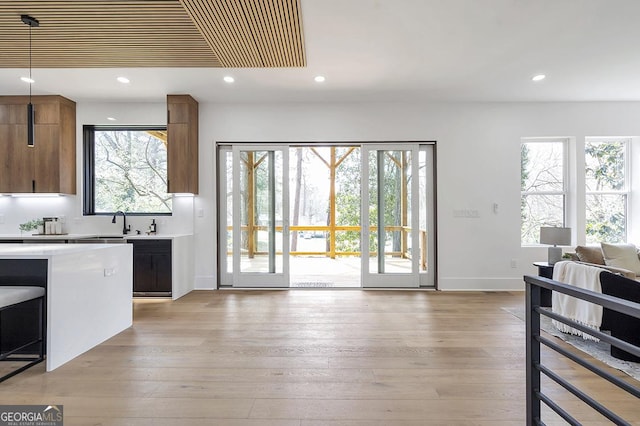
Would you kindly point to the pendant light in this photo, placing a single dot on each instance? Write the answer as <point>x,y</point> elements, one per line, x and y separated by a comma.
<point>31,22</point>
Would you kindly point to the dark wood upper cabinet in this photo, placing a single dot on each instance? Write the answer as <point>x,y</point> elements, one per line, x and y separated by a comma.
<point>182,144</point>
<point>48,167</point>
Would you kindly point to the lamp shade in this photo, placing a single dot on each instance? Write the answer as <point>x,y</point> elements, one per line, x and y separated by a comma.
<point>555,236</point>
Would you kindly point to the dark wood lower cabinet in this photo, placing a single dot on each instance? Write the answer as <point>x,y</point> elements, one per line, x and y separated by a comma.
<point>152,267</point>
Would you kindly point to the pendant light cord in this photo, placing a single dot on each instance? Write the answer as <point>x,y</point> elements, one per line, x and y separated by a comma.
<point>31,22</point>
<point>30,79</point>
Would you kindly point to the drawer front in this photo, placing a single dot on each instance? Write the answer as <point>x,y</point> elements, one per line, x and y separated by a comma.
<point>151,246</point>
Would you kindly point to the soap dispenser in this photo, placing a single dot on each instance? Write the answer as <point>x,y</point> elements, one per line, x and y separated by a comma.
<point>152,227</point>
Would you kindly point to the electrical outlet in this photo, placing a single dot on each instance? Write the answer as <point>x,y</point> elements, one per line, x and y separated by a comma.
<point>514,263</point>
<point>63,219</point>
<point>109,271</point>
<point>1,218</point>
<point>200,212</point>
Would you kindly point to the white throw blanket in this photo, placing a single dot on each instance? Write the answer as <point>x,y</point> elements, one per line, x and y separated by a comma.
<point>585,313</point>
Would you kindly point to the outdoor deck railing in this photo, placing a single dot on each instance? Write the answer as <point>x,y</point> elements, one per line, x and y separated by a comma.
<point>535,393</point>
<point>327,231</point>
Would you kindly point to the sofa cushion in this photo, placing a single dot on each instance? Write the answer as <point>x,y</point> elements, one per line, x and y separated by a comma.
<point>621,256</point>
<point>590,254</point>
<point>571,256</point>
<point>11,295</point>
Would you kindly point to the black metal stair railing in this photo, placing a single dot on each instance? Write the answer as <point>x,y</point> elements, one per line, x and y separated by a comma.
<point>535,395</point>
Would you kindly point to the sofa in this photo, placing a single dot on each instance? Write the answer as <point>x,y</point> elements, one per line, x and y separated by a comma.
<point>620,259</point>
<point>622,281</point>
<point>622,326</point>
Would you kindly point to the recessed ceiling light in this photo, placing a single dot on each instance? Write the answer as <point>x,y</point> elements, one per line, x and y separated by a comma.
<point>229,79</point>
<point>319,78</point>
<point>123,80</point>
<point>538,77</point>
<point>27,80</point>
<point>111,119</point>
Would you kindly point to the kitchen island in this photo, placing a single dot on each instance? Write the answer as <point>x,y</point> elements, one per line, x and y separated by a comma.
<point>176,270</point>
<point>88,291</point>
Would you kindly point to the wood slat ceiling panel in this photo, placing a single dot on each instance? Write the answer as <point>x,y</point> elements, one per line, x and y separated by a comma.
<point>251,33</point>
<point>152,33</point>
<point>87,34</point>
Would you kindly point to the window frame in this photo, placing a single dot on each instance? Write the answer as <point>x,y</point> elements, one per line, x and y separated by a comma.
<point>88,193</point>
<point>626,192</point>
<point>565,193</point>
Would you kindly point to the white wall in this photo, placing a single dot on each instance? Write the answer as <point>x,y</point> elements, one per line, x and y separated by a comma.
<point>478,164</point>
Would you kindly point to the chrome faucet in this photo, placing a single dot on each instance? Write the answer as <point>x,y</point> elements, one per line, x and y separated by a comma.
<point>125,230</point>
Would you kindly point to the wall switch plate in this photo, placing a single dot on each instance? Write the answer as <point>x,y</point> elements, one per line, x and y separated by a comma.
<point>514,263</point>
<point>1,218</point>
<point>109,271</point>
<point>201,212</point>
<point>471,213</point>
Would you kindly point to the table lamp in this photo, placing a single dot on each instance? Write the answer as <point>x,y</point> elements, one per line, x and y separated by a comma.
<point>555,236</point>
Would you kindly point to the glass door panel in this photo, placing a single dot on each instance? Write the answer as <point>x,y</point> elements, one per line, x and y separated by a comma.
<point>260,217</point>
<point>225,217</point>
<point>390,199</point>
<point>426,194</point>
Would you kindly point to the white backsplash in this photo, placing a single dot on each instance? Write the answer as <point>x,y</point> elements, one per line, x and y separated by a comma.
<point>17,210</point>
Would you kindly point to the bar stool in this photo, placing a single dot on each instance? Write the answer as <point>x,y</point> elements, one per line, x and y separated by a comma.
<point>22,325</point>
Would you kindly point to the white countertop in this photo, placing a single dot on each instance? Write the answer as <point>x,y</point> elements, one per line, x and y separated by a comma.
<point>156,236</point>
<point>64,237</point>
<point>30,236</point>
<point>47,250</point>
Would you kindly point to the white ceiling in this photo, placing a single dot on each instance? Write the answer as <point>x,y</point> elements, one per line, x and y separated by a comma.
<point>407,50</point>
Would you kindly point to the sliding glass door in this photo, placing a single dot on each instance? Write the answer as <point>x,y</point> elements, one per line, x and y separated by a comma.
<point>260,218</point>
<point>361,215</point>
<point>390,205</point>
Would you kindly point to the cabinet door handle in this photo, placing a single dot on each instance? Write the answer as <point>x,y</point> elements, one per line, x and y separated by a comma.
<point>33,186</point>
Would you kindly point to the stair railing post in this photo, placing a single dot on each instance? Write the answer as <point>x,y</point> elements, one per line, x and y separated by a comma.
<point>533,299</point>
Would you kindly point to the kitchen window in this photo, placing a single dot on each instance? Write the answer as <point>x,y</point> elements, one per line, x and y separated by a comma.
<point>125,169</point>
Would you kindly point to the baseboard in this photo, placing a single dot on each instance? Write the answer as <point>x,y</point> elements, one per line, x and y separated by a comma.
<point>205,282</point>
<point>480,284</point>
<point>208,282</point>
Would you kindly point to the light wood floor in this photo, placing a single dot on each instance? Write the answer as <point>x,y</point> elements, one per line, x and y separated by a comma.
<point>311,358</point>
